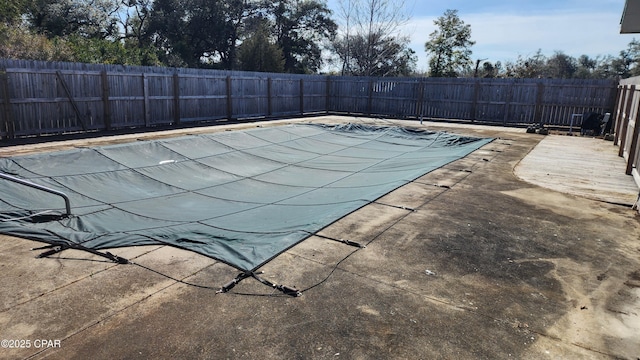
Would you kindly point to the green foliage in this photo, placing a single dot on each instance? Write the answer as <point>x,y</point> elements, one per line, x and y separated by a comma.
<point>301,26</point>
<point>449,46</point>
<point>19,43</point>
<point>628,62</point>
<point>485,69</point>
<point>10,11</point>
<point>563,66</point>
<point>60,18</point>
<point>531,67</point>
<point>102,51</point>
<point>280,35</point>
<point>192,32</point>
<point>206,33</point>
<point>259,53</point>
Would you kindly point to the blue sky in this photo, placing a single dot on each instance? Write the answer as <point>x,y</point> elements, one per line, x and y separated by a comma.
<point>504,30</point>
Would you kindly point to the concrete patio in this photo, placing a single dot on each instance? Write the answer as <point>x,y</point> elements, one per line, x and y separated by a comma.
<point>513,252</point>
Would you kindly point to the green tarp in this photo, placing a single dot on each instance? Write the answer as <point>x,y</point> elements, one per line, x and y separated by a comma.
<point>241,197</point>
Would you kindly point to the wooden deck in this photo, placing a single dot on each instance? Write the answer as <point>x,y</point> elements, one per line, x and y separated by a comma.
<point>580,166</point>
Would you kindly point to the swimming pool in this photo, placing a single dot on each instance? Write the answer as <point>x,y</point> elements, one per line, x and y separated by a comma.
<point>241,197</point>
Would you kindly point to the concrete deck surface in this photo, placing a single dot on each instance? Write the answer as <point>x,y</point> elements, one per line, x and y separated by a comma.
<point>489,266</point>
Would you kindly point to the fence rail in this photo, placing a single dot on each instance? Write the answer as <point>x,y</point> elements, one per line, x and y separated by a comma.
<point>39,98</point>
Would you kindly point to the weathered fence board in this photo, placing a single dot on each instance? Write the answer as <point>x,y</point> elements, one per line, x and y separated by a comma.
<point>285,97</point>
<point>201,98</point>
<point>39,98</point>
<point>315,95</point>
<point>627,125</point>
<point>6,126</point>
<point>349,95</point>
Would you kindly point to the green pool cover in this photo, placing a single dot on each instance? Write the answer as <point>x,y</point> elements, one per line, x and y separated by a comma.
<point>241,197</point>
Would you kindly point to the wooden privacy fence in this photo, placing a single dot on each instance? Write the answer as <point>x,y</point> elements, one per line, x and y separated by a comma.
<point>38,98</point>
<point>505,102</point>
<point>627,124</point>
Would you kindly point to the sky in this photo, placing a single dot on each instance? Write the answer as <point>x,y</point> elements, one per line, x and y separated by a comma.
<point>504,30</point>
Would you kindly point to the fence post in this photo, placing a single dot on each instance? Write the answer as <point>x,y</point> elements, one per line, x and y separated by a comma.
<point>625,120</point>
<point>106,106</point>
<point>507,105</point>
<point>618,107</point>
<point>619,111</point>
<point>8,123</point>
<point>229,99</point>
<point>145,94</point>
<point>624,104</point>
<point>269,96</point>
<point>176,98</point>
<point>539,96</point>
<point>370,99</point>
<point>301,96</point>
<point>419,105</point>
<point>614,97</point>
<point>327,99</point>
<point>474,104</point>
<point>634,143</point>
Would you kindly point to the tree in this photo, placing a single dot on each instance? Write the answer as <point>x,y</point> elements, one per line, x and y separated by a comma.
<point>60,18</point>
<point>377,55</point>
<point>449,46</point>
<point>17,42</point>
<point>371,43</point>
<point>241,15</point>
<point>489,70</point>
<point>103,51</point>
<point>561,66</point>
<point>208,32</point>
<point>610,67</point>
<point>300,28</point>
<point>628,61</point>
<point>585,67</point>
<point>192,32</point>
<point>530,67</point>
<point>133,18</point>
<point>260,53</point>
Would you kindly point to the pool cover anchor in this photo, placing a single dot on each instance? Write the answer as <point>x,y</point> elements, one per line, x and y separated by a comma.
<point>231,284</point>
<point>57,248</point>
<point>344,241</point>
<point>287,290</point>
